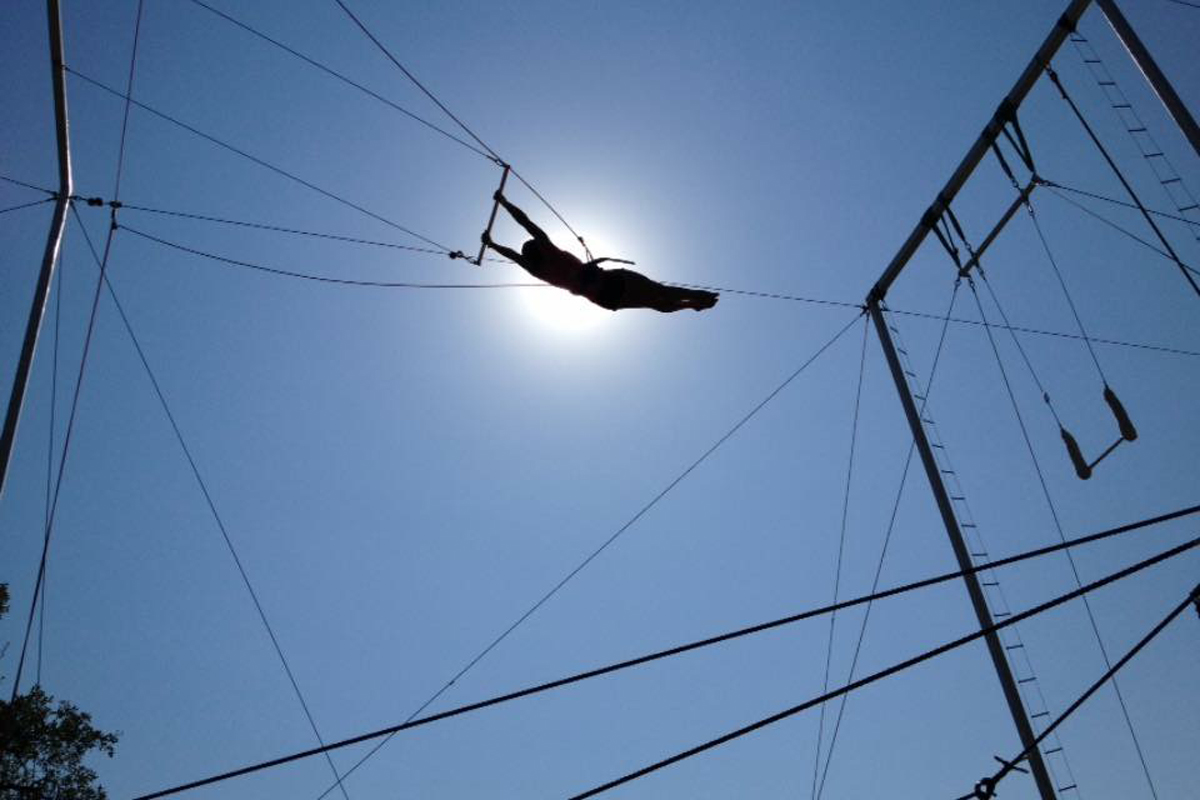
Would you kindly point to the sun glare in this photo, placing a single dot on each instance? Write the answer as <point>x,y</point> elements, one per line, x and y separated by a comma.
<point>561,310</point>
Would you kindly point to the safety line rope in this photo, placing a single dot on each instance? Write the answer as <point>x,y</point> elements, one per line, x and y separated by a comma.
<point>50,440</point>
<point>615,535</point>
<point>694,645</point>
<point>903,665</point>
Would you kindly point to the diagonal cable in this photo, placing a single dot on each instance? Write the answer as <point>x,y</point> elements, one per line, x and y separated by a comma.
<point>887,538</point>
<point>262,615</point>
<point>837,573</point>
<point>704,643</point>
<point>238,151</point>
<point>344,79</point>
<point>1058,527</point>
<point>388,53</point>
<point>892,670</point>
<point>607,542</point>
<point>87,343</point>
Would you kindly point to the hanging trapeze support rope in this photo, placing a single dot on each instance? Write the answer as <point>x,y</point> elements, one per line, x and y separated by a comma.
<point>1127,432</point>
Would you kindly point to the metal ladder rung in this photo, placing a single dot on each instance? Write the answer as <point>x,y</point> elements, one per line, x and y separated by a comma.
<point>1159,154</point>
<point>989,583</point>
<point>1052,751</point>
<point>1030,679</point>
<point>1192,207</point>
<point>1136,130</point>
<point>1066,788</point>
<point>1122,105</point>
<point>1107,83</point>
<point>1039,714</point>
<point>1171,180</point>
<point>1016,646</point>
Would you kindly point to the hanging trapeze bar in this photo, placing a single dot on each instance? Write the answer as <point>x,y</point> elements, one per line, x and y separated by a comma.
<point>1128,433</point>
<point>478,260</point>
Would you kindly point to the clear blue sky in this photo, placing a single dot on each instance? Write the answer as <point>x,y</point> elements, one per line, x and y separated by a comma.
<point>405,472</point>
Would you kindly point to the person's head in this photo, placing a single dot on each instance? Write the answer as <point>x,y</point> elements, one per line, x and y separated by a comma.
<point>533,249</point>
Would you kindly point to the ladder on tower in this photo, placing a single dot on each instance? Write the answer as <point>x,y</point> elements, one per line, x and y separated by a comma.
<point>1015,651</point>
<point>1164,171</point>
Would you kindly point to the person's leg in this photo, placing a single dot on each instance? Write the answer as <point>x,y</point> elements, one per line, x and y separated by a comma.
<point>642,292</point>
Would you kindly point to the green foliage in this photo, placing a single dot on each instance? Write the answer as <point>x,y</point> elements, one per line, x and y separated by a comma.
<point>43,744</point>
<point>42,749</point>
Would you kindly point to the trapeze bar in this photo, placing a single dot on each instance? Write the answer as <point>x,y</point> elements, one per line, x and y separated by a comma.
<point>478,260</point>
<point>1128,433</point>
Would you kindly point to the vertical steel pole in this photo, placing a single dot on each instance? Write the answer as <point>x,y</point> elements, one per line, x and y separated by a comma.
<point>1157,80</point>
<point>1008,683</point>
<point>53,243</point>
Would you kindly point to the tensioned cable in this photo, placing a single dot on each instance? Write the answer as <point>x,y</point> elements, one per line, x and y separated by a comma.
<point>724,290</point>
<point>344,79</point>
<point>903,665</point>
<point>211,505</point>
<point>1049,184</point>
<point>695,645</point>
<point>322,278</point>
<point>116,198</point>
<point>87,343</point>
<point>1020,348</point>
<point>256,160</point>
<point>1121,177</point>
<point>30,204</point>
<point>1185,3</point>
<point>460,123</point>
<point>41,600</point>
<point>611,539</point>
<point>987,788</point>
<point>887,538</point>
<point>1059,334</point>
<point>1037,226</point>
<point>837,572</point>
<point>1012,397</point>
<point>1122,230</point>
<point>16,182</point>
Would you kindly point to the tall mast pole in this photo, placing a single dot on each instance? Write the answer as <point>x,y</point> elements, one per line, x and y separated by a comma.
<point>1008,682</point>
<point>53,243</point>
<point>1029,76</point>
<point>1157,80</point>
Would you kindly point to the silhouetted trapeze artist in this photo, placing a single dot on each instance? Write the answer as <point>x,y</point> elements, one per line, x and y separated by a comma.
<point>613,289</point>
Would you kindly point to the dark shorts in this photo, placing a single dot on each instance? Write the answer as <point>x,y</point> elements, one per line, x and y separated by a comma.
<point>605,288</point>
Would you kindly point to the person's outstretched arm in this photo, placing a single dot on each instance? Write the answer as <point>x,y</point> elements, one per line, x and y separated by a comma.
<point>523,219</point>
<point>510,254</point>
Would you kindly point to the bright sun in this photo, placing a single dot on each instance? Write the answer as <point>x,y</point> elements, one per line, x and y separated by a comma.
<point>559,309</point>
